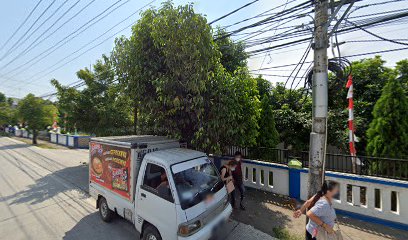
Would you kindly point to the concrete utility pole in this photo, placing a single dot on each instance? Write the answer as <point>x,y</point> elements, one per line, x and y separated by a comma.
<point>317,152</point>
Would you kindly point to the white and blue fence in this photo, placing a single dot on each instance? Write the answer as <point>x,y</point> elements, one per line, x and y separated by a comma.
<point>372,199</point>
<point>23,133</point>
<point>73,141</point>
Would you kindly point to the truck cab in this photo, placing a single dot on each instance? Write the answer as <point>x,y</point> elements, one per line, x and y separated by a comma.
<point>177,194</point>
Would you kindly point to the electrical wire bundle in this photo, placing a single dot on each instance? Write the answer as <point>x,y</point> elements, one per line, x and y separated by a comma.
<point>339,66</point>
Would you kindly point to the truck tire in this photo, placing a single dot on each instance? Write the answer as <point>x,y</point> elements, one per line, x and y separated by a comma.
<point>104,211</point>
<point>151,233</point>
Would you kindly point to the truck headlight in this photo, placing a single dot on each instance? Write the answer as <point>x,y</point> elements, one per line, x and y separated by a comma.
<point>188,229</point>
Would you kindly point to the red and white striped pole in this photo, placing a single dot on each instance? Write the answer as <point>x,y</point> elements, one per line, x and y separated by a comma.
<point>353,151</point>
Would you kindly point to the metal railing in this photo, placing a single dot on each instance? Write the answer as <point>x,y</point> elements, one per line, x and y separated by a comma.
<point>370,166</point>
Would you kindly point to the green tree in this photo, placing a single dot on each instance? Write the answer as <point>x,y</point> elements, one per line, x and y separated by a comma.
<point>100,107</point>
<point>3,98</point>
<point>5,111</point>
<point>402,72</point>
<point>10,101</point>
<point>165,66</point>
<point>388,132</point>
<point>268,135</point>
<point>292,113</point>
<point>233,55</point>
<point>264,88</point>
<point>185,42</point>
<point>36,113</point>
<point>369,77</point>
<point>8,115</point>
<point>231,112</point>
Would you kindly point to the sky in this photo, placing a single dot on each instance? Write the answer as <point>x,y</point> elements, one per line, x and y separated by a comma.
<point>25,69</point>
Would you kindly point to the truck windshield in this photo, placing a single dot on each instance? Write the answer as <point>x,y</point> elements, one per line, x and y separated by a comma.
<point>195,180</point>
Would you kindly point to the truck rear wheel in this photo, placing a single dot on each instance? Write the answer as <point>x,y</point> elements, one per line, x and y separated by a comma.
<point>151,233</point>
<point>104,211</point>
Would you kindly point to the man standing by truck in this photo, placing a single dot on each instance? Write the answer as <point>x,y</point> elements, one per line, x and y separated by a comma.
<point>238,181</point>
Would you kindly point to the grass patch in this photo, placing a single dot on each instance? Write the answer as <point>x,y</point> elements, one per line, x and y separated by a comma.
<point>284,234</point>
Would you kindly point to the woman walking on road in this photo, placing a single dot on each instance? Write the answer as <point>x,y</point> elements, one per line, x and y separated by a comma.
<point>226,177</point>
<point>238,181</point>
<point>321,215</point>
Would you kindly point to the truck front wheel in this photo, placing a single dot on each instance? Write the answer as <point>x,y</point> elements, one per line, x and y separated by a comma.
<point>104,211</point>
<point>151,233</point>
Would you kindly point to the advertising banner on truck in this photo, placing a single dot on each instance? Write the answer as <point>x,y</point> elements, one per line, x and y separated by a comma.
<point>110,168</point>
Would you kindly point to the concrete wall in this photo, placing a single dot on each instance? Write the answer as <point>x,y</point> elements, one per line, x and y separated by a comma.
<point>18,133</point>
<point>354,189</point>
<point>25,133</point>
<point>53,137</point>
<point>83,141</point>
<point>73,141</point>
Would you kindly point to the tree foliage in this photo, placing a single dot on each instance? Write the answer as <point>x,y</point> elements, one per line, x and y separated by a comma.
<point>175,74</point>
<point>3,98</point>
<point>233,55</point>
<point>388,132</point>
<point>8,114</point>
<point>268,135</point>
<point>36,113</point>
<point>100,108</point>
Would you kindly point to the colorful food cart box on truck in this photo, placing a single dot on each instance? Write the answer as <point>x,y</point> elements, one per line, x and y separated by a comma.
<point>166,191</point>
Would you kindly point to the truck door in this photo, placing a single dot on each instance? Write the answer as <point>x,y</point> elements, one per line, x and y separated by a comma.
<point>155,202</point>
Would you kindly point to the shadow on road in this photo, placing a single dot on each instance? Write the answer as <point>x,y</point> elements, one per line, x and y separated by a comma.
<point>48,186</point>
<point>258,214</point>
<point>92,227</point>
<point>14,146</point>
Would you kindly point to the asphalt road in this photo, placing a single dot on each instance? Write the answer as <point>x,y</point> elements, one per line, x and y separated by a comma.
<point>43,195</point>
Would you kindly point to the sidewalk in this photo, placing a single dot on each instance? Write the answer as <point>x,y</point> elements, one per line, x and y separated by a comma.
<point>272,214</point>
<point>40,143</point>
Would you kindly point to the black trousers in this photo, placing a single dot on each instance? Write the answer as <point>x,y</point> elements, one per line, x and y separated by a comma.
<point>241,189</point>
<point>309,236</point>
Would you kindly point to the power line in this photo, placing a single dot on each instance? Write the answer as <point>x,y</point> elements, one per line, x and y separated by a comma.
<point>376,52</point>
<point>263,60</point>
<point>90,42</point>
<point>301,62</point>
<point>27,49</point>
<point>21,25</point>
<point>69,36</point>
<point>257,16</point>
<point>348,56</point>
<point>67,21</point>
<point>377,36</point>
<point>374,40</point>
<point>29,29</point>
<point>266,20</point>
<point>373,22</point>
<point>230,13</point>
<point>35,30</point>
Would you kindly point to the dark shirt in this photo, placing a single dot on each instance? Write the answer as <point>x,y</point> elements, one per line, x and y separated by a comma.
<point>227,174</point>
<point>237,174</point>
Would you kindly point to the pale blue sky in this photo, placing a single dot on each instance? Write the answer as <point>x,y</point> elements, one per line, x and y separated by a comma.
<point>12,14</point>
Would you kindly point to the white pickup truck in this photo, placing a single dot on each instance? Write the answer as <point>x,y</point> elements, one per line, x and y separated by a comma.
<point>166,191</point>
